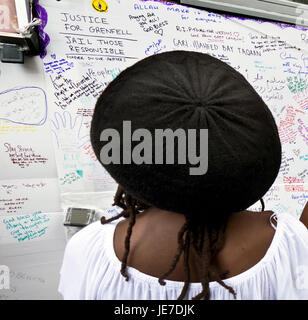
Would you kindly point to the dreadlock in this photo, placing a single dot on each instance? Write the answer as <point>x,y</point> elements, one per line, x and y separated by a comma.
<point>205,239</point>
<point>130,207</point>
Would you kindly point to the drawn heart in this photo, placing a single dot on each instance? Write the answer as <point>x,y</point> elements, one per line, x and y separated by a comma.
<point>159,31</point>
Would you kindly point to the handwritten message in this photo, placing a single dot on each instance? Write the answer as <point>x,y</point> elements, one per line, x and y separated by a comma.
<point>268,43</point>
<point>58,66</point>
<point>150,22</point>
<point>71,177</point>
<point>294,65</point>
<point>287,131</point>
<point>19,196</point>
<point>90,37</point>
<point>7,127</point>
<point>26,105</point>
<point>23,156</point>
<point>68,90</point>
<point>27,227</point>
<point>296,84</point>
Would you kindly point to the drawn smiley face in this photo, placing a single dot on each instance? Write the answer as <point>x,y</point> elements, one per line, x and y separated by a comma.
<point>100,5</point>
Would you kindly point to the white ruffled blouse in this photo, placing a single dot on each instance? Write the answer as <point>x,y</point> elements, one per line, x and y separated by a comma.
<point>91,270</point>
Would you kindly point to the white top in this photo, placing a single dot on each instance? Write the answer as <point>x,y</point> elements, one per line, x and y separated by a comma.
<point>91,270</point>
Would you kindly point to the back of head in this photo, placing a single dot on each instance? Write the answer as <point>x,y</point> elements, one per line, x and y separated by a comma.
<point>190,91</point>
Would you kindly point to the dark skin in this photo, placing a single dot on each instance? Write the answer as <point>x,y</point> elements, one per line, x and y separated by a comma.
<point>153,243</point>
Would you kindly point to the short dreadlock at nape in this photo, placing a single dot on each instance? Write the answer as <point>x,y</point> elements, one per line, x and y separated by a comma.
<point>130,207</point>
<point>205,239</point>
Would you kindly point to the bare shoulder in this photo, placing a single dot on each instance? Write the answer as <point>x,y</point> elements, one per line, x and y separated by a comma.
<point>248,237</point>
<point>304,216</point>
<point>245,221</point>
<point>249,229</point>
